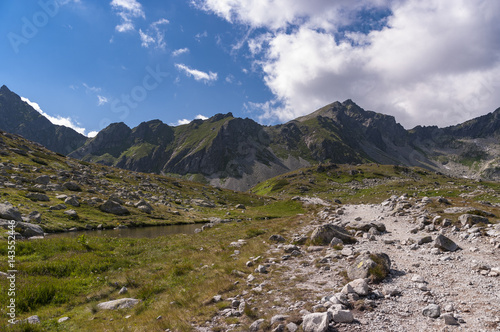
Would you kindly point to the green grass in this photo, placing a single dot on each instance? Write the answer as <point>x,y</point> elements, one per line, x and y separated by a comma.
<point>174,276</point>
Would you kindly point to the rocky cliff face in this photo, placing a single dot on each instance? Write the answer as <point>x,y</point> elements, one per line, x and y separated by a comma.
<point>18,117</point>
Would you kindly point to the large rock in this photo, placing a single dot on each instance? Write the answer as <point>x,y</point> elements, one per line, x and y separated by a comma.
<point>38,197</point>
<point>342,316</point>
<point>432,311</point>
<point>73,201</point>
<point>72,186</point>
<point>365,226</point>
<point>472,219</point>
<point>360,287</point>
<point>325,233</point>
<point>113,207</point>
<point>25,229</point>
<point>374,266</point>
<point>317,322</point>
<point>444,243</point>
<point>43,179</point>
<point>118,304</point>
<point>9,212</point>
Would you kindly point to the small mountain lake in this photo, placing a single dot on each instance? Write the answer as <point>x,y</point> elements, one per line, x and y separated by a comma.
<point>139,232</point>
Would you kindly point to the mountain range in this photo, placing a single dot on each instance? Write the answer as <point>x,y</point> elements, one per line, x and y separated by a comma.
<point>237,153</point>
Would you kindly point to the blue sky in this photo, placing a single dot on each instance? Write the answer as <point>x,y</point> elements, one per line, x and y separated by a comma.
<point>87,63</point>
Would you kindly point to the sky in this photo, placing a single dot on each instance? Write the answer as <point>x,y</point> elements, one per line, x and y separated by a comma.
<point>88,63</point>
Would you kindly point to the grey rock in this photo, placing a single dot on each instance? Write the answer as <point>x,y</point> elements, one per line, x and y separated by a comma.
<point>33,320</point>
<point>325,233</point>
<point>360,287</point>
<point>261,269</point>
<point>73,201</point>
<point>256,325</point>
<point>432,311</point>
<point>35,216</point>
<point>342,316</point>
<point>71,213</point>
<point>26,229</point>
<point>240,206</point>
<point>336,242</point>
<point>292,327</point>
<point>118,304</point>
<point>278,318</point>
<point>38,197</point>
<point>449,319</point>
<point>72,186</point>
<point>58,207</point>
<point>290,248</point>
<point>62,319</point>
<point>472,219</point>
<point>114,208</point>
<point>444,243</point>
<point>9,212</point>
<point>374,266</point>
<point>277,238</point>
<point>425,239</point>
<point>316,322</point>
<point>43,179</point>
<point>123,290</point>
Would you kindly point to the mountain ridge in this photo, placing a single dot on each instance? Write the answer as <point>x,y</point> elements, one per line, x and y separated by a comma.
<point>238,153</point>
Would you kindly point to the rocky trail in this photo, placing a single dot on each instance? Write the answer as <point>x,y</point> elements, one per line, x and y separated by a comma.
<point>441,277</point>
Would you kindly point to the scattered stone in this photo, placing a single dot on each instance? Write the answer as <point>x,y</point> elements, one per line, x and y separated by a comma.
<point>33,320</point>
<point>325,233</point>
<point>425,239</point>
<point>240,206</point>
<point>444,243</point>
<point>58,207</point>
<point>342,316</point>
<point>374,266</point>
<point>277,238</point>
<point>114,208</point>
<point>292,327</point>
<point>73,201</point>
<point>432,311</point>
<point>278,318</point>
<point>43,180</point>
<point>72,186</point>
<point>38,197</point>
<point>360,287</point>
<point>316,322</point>
<point>62,319</point>
<point>71,213</point>
<point>418,278</point>
<point>9,212</point>
<point>123,290</point>
<point>261,269</point>
<point>449,319</point>
<point>25,229</point>
<point>472,219</point>
<point>118,304</point>
<point>256,325</point>
<point>336,242</point>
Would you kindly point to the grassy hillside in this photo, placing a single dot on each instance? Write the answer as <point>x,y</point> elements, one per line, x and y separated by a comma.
<point>372,183</point>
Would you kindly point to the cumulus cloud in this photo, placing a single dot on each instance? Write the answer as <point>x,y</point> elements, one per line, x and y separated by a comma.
<point>198,75</point>
<point>424,61</point>
<point>127,10</point>
<point>186,121</point>
<point>57,120</point>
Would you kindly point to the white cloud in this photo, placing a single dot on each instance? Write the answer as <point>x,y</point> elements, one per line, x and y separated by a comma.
<point>197,74</point>
<point>57,120</point>
<point>92,134</point>
<point>180,51</point>
<point>91,89</point>
<point>127,10</point>
<point>428,61</point>
<point>101,100</point>
<point>199,36</point>
<point>154,36</point>
<point>186,121</point>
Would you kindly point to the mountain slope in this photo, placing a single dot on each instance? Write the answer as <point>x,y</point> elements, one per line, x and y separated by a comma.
<point>18,117</point>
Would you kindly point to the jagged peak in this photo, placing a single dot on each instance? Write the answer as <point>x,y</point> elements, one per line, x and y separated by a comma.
<point>4,88</point>
<point>220,116</point>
